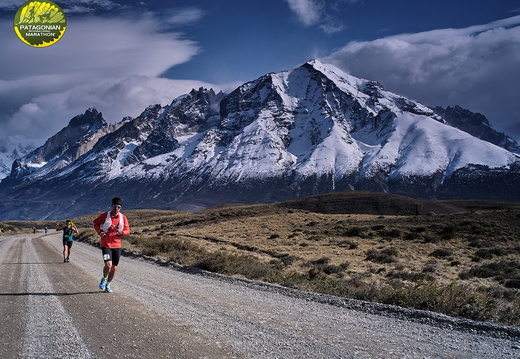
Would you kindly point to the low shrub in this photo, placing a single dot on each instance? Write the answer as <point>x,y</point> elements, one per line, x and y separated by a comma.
<point>512,283</point>
<point>230,264</point>
<point>450,299</point>
<point>410,276</point>
<point>322,265</point>
<point>441,253</point>
<point>390,233</point>
<point>387,255</point>
<point>498,270</point>
<point>6,228</point>
<point>378,227</point>
<point>484,254</point>
<point>354,232</point>
<point>410,236</point>
<point>344,243</point>
<point>448,231</point>
<point>320,261</point>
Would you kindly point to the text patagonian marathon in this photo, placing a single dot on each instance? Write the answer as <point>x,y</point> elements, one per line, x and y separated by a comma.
<point>40,27</point>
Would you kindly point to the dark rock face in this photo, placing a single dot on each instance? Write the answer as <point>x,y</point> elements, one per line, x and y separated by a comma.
<point>476,125</point>
<point>66,146</point>
<point>308,131</point>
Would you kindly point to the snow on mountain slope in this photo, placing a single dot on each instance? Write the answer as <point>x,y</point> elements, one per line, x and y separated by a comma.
<point>313,129</point>
<point>62,149</point>
<point>477,125</point>
<point>10,150</point>
<point>422,146</point>
<point>314,120</point>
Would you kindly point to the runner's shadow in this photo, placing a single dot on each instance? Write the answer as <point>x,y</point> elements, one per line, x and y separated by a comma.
<point>47,294</point>
<point>29,263</point>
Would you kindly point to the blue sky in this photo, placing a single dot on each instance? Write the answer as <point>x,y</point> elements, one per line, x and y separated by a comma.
<point>121,56</point>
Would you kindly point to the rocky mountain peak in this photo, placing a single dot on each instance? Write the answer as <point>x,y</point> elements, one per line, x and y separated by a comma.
<point>310,130</point>
<point>477,125</point>
<point>77,138</point>
<point>91,118</point>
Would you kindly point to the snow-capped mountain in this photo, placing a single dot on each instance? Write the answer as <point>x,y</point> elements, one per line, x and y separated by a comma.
<point>310,130</point>
<point>63,148</point>
<point>10,150</point>
<point>477,125</point>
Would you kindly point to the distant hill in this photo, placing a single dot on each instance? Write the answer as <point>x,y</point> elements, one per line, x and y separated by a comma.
<point>362,202</point>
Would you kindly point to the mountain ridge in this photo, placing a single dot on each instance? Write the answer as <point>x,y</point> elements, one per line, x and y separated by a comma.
<point>477,125</point>
<point>286,135</point>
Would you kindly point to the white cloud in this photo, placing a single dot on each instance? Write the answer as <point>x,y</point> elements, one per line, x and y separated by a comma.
<point>46,114</point>
<point>112,47</point>
<point>86,6</point>
<point>111,64</point>
<point>475,67</point>
<point>332,26</point>
<point>307,11</point>
<point>183,16</point>
<point>318,13</point>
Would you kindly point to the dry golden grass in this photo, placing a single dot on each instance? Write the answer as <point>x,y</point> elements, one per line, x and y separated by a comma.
<point>443,246</point>
<point>467,254</point>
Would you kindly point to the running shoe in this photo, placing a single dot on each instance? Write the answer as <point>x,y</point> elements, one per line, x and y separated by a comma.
<point>103,283</point>
<point>107,288</point>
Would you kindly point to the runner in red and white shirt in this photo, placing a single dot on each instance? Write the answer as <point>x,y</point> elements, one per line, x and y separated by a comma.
<point>111,226</point>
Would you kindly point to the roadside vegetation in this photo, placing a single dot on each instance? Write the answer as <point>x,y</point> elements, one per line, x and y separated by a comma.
<point>462,260</point>
<point>9,229</point>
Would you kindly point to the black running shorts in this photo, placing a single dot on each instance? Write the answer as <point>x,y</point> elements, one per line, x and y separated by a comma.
<point>67,243</point>
<point>111,255</point>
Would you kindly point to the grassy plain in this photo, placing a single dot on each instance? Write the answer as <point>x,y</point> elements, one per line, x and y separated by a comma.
<point>460,258</point>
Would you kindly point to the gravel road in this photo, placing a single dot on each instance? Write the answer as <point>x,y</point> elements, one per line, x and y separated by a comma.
<point>51,309</point>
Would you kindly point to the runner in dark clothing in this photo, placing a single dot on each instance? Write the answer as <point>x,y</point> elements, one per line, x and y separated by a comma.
<point>68,238</point>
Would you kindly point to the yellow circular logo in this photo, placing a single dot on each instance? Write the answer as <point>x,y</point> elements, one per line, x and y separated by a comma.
<point>40,23</point>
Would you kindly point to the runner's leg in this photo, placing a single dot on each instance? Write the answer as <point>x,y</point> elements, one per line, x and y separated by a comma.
<point>111,273</point>
<point>107,268</point>
<point>107,258</point>
<point>116,254</point>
